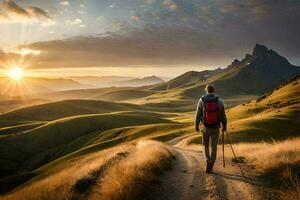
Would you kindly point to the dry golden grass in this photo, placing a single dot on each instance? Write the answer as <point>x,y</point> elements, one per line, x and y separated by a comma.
<point>58,185</point>
<point>291,189</point>
<point>128,178</point>
<point>279,160</point>
<point>116,173</point>
<point>268,157</point>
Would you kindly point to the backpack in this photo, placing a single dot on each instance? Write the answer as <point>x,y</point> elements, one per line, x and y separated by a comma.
<point>211,112</point>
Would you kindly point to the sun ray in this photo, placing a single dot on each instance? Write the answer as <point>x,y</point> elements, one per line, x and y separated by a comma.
<point>16,73</point>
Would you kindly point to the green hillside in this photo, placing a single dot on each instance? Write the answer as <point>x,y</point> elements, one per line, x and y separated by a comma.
<point>30,149</point>
<point>66,108</point>
<point>274,115</point>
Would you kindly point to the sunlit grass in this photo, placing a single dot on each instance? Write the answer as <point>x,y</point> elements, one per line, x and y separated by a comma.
<point>117,173</point>
<point>273,156</point>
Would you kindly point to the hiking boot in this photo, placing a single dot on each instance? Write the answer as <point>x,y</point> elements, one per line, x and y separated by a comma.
<point>208,168</point>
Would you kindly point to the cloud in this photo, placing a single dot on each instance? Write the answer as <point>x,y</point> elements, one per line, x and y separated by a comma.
<point>147,46</point>
<point>169,4</point>
<point>112,5</point>
<point>65,3</point>
<point>38,12</point>
<point>13,13</point>
<point>75,22</point>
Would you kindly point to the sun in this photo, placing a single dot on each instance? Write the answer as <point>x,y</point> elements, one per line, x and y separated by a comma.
<point>16,73</point>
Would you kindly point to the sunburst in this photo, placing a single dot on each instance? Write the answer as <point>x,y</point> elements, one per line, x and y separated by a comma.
<point>16,73</point>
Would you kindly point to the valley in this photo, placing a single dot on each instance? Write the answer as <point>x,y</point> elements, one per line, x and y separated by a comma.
<point>140,143</point>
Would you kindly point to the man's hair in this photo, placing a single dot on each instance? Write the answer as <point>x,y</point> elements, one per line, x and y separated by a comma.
<point>210,89</point>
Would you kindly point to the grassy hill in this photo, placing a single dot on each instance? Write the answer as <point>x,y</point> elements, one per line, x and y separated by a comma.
<point>272,116</point>
<point>53,140</point>
<point>35,147</point>
<point>36,150</point>
<point>66,108</point>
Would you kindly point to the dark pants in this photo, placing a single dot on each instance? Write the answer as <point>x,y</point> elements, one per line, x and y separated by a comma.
<point>210,135</point>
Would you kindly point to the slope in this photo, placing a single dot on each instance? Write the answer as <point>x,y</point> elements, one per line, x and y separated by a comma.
<point>273,115</point>
<point>33,148</point>
<point>66,108</point>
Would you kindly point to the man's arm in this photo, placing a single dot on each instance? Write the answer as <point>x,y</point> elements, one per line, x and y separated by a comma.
<point>198,115</point>
<point>223,117</point>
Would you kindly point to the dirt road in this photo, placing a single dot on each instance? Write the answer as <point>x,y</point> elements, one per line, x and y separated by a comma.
<point>188,181</point>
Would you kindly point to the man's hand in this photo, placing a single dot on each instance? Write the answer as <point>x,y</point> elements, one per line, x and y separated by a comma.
<point>197,128</point>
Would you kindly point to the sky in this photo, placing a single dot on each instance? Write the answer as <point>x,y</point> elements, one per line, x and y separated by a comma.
<point>143,37</point>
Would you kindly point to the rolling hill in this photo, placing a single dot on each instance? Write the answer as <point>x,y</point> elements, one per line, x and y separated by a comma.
<point>47,140</point>
<point>36,150</point>
<point>138,82</point>
<point>33,148</point>
<point>32,85</point>
<point>274,115</point>
<point>242,80</point>
<point>100,81</point>
<point>59,84</point>
<point>66,108</point>
<point>116,81</point>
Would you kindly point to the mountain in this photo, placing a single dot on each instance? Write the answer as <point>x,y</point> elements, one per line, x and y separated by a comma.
<point>32,85</point>
<point>26,86</point>
<point>59,84</point>
<point>242,80</point>
<point>149,80</point>
<point>117,81</point>
<point>100,81</point>
<point>187,79</point>
<point>255,74</point>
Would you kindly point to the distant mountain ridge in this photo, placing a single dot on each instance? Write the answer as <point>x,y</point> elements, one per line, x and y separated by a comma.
<point>255,74</point>
<point>242,80</point>
<point>137,82</point>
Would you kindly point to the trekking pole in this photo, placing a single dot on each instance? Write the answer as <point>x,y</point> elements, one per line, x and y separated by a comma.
<point>235,155</point>
<point>223,149</point>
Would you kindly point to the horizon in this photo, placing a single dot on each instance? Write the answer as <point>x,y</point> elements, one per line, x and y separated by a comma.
<point>139,38</point>
<point>149,99</point>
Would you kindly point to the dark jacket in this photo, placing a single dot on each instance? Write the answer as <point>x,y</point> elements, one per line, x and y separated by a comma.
<point>199,112</point>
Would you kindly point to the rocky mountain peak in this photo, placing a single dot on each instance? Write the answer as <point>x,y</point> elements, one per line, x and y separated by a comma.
<point>260,50</point>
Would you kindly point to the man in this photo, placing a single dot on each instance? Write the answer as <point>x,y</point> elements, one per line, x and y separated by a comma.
<point>210,113</point>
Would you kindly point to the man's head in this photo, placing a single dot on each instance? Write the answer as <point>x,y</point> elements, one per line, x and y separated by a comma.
<point>209,89</point>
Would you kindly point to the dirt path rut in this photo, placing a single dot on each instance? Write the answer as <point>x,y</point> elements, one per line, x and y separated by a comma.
<point>188,181</point>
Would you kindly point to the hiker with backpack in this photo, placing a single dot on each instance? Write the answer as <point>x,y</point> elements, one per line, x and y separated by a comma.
<point>210,113</point>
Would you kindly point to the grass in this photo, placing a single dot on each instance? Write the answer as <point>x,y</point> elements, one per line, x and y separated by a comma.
<point>19,128</point>
<point>139,163</point>
<point>34,148</point>
<point>291,189</point>
<point>276,156</point>
<point>79,154</point>
<point>275,115</point>
<point>66,108</point>
<point>138,170</point>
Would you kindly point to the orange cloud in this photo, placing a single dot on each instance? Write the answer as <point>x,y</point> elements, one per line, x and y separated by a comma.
<point>13,13</point>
